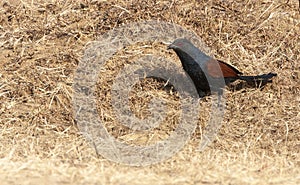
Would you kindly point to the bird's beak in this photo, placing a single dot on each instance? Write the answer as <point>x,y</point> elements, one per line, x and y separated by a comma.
<point>170,46</point>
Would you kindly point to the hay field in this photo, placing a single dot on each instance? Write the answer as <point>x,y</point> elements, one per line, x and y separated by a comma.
<point>42,42</point>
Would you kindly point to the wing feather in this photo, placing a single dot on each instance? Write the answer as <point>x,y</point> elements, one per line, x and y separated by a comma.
<point>213,67</point>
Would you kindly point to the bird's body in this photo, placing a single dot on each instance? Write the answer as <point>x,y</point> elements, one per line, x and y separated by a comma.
<point>207,73</point>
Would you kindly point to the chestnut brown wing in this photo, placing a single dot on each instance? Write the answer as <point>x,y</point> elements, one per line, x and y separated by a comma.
<point>213,66</point>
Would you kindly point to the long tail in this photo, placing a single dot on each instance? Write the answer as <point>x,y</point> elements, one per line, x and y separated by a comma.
<point>264,78</point>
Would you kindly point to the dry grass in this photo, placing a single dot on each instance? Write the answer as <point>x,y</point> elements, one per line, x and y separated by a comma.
<point>42,42</point>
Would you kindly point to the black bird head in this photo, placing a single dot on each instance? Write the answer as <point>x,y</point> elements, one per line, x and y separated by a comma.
<point>180,43</point>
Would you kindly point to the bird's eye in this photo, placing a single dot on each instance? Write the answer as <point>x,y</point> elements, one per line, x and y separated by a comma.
<point>179,44</point>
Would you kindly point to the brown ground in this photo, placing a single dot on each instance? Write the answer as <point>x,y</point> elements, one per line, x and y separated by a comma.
<point>42,43</point>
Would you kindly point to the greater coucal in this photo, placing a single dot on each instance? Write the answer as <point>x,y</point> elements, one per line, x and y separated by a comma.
<point>203,69</point>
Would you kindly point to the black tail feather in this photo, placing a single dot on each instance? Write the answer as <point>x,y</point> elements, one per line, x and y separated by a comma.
<point>258,81</point>
<point>258,78</point>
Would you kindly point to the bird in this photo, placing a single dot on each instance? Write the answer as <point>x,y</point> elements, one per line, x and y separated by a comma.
<point>209,74</point>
